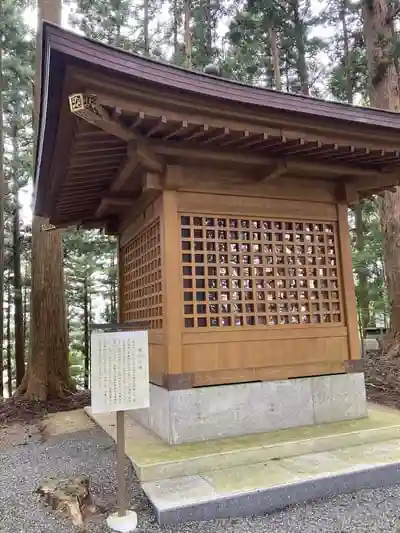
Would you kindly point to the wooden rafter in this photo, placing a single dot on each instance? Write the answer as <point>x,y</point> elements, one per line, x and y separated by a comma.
<point>365,178</point>
<point>86,107</point>
<point>134,103</point>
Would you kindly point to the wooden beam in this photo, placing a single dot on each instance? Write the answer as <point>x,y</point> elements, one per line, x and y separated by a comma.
<point>132,100</point>
<point>347,193</point>
<point>86,107</point>
<point>152,182</point>
<point>128,168</point>
<point>277,170</point>
<point>322,170</point>
<point>379,181</point>
<point>119,201</point>
<point>150,186</point>
<point>112,225</point>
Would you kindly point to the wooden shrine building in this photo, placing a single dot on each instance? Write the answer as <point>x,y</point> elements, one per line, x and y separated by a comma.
<point>230,204</point>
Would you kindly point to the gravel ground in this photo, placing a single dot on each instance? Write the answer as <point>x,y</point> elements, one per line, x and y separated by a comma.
<point>23,467</point>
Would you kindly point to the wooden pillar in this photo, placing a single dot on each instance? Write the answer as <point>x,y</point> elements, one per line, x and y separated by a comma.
<point>172,290</point>
<point>349,296</point>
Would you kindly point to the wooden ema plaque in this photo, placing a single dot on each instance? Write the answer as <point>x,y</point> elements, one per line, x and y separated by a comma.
<point>247,271</point>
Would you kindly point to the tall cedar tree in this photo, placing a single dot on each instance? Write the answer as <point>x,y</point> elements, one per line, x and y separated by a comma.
<point>18,309</point>
<point>2,201</point>
<point>380,39</point>
<point>47,374</point>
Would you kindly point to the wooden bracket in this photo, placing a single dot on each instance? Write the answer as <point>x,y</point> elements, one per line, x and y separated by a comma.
<point>347,193</point>
<point>86,107</point>
<point>150,187</point>
<point>277,170</point>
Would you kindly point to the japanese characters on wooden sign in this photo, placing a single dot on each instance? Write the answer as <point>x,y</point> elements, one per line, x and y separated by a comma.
<point>119,371</point>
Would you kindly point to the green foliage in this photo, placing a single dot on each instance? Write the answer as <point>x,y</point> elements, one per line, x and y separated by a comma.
<point>91,289</point>
<point>250,54</point>
<point>370,259</point>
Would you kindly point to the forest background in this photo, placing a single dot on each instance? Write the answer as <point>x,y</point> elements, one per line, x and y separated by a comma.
<point>317,48</point>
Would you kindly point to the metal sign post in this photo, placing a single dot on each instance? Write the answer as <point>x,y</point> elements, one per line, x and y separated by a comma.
<point>120,382</point>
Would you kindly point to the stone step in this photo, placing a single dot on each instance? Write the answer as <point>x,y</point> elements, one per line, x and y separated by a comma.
<point>268,486</point>
<point>155,460</point>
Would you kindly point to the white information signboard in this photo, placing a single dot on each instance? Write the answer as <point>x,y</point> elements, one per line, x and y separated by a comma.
<point>119,371</point>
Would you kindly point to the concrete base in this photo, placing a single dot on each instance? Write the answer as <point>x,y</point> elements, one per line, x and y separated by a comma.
<point>206,413</point>
<point>123,524</point>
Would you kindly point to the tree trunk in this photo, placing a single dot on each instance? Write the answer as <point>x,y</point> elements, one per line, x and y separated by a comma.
<point>86,329</point>
<point>276,63</point>
<point>2,202</point>
<point>208,33</point>
<point>362,271</point>
<point>299,36</point>
<point>175,28</point>
<point>19,350</point>
<point>346,52</point>
<point>9,349</point>
<point>47,374</point>
<point>384,93</point>
<point>146,28</point>
<point>25,303</point>
<point>187,37</point>
<point>114,289</point>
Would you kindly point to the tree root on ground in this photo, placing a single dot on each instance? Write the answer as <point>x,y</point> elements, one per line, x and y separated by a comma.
<point>382,373</point>
<point>18,409</point>
<point>71,497</point>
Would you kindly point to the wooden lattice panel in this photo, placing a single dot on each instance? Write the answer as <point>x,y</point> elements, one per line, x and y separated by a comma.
<point>257,272</point>
<point>141,271</point>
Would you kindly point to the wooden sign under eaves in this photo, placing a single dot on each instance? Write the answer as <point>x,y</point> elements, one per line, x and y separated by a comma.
<point>51,227</point>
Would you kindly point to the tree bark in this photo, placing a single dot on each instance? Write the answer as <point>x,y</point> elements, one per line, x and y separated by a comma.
<point>19,349</point>
<point>146,28</point>
<point>299,36</point>
<point>9,349</point>
<point>187,37</point>
<point>114,288</point>
<point>384,93</point>
<point>175,28</point>
<point>25,304</point>
<point>47,375</point>
<point>2,202</point>
<point>362,271</point>
<point>86,329</point>
<point>276,63</point>
<point>346,52</point>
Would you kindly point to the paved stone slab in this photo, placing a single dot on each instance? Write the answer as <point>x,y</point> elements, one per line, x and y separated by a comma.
<point>154,459</point>
<point>264,487</point>
<point>275,498</point>
<point>66,422</point>
<point>191,490</point>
